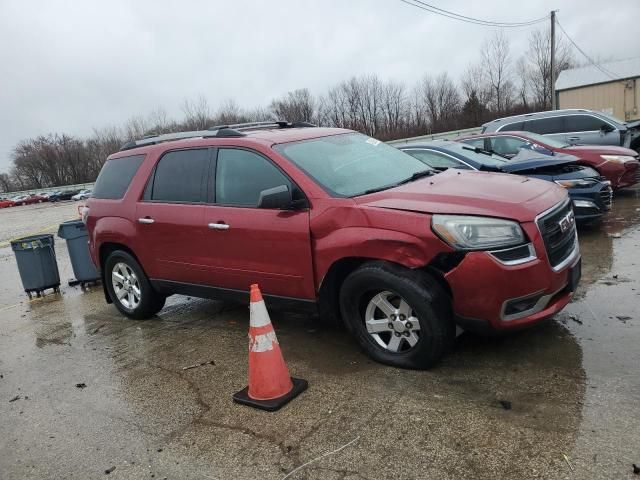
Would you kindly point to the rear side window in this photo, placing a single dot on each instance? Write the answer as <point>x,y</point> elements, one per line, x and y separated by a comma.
<point>512,127</point>
<point>583,123</point>
<point>545,126</point>
<point>115,177</point>
<point>241,176</point>
<point>179,177</point>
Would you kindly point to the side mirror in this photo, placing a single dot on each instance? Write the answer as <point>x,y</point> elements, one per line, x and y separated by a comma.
<point>277,197</point>
<point>606,128</point>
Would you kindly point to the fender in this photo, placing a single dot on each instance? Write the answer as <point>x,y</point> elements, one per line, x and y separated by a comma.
<point>111,230</point>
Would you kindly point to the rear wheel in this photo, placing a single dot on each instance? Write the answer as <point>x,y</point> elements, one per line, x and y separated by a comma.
<point>129,288</point>
<point>399,316</point>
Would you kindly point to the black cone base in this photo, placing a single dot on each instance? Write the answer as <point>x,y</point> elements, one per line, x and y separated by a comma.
<point>242,396</point>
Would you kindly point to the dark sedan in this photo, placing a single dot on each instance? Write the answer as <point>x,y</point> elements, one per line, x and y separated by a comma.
<point>591,194</point>
<point>63,195</point>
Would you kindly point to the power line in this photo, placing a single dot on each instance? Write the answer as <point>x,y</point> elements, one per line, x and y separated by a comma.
<point>608,73</point>
<point>476,21</point>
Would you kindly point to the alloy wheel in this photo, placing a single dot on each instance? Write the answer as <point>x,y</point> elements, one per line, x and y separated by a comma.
<point>392,322</point>
<point>126,286</point>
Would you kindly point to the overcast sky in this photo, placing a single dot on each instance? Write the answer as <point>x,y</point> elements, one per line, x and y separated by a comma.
<point>69,66</point>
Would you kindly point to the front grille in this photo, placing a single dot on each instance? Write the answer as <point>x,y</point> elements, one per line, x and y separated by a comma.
<point>638,174</point>
<point>606,194</point>
<point>558,244</point>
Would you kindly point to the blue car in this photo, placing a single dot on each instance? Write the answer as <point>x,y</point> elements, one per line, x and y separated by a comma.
<point>591,193</point>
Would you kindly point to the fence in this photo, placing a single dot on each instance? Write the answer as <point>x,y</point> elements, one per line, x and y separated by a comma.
<point>436,136</point>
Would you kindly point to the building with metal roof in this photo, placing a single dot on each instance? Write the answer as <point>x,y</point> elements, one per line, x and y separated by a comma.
<point>612,87</point>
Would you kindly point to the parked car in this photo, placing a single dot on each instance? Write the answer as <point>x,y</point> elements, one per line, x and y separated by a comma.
<point>574,127</point>
<point>330,220</point>
<point>6,202</point>
<point>28,199</point>
<point>82,195</point>
<point>619,165</point>
<point>63,195</point>
<point>591,194</point>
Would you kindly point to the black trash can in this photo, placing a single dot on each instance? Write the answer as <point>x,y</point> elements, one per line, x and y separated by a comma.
<point>36,258</point>
<point>76,235</point>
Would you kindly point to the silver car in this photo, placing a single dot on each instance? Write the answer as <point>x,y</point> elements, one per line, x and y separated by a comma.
<point>572,127</point>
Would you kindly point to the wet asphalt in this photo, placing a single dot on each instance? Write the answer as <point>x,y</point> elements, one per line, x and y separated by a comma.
<point>86,393</point>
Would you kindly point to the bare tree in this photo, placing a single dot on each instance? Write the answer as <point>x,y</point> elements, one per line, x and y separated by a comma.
<point>295,106</point>
<point>5,182</point>
<point>440,101</point>
<point>197,114</point>
<point>497,62</point>
<point>538,58</point>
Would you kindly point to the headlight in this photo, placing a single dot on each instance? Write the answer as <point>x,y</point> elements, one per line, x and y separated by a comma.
<point>476,233</point>
<point>617,158</point>
<point>579,183</point>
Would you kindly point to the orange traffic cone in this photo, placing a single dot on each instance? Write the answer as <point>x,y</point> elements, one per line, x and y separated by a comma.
<point>270,386</point>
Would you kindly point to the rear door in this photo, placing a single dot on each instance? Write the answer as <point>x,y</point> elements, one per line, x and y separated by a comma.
<point>553,127</point>
<point>587,130</point>
<point>254,245</point>
<point>170,217</point>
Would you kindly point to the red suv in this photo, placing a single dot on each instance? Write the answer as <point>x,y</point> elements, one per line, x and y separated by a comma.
<point>337,222</point>
<point>619,165</point>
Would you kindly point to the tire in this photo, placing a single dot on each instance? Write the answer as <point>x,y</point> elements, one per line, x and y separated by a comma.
<point>138,298</point>
<point>410,294</point>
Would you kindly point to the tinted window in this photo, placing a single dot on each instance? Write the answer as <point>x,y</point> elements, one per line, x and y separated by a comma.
<point>506,145</point>
<point>436,160</point>
<point>115,177</point>
<point>545,126</point>
<point>512,127</point>
<point>241,176</point>
<point>583,123</point>
<point>179,176</point>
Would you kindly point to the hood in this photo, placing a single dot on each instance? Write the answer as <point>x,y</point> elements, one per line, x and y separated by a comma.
<point>634,124</point>
<point>471,193</point>
<point>530,160</point>
<point>599,150</point>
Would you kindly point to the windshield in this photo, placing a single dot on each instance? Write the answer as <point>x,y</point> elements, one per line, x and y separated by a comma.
<point>351,164</point>
<point>467,151</point>
<point>546,140</point>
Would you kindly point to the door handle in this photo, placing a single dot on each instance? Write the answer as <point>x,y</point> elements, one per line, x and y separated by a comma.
<point>218,226</point>
<point>574,139</point>
<point>146,220</point>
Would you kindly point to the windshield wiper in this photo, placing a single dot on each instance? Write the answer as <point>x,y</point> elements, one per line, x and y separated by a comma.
<point>483,151</point>
<point>416,176</point>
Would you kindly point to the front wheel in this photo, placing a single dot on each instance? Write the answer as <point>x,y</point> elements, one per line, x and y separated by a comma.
<point>399,316</point>
<point>129,288</point>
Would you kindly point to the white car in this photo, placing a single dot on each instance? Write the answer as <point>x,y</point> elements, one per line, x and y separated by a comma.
<point>82,195</point>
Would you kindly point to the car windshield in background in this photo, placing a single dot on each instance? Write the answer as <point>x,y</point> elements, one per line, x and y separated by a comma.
<point>351,164</point>
<point>468,152</point>
<point>612,118</point>
<point>546,140</point>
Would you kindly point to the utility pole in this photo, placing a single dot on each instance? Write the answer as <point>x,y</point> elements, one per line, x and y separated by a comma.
<point>553,60</point>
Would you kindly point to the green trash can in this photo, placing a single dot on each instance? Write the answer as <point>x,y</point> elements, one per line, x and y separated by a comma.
<point>76,235</point>
<point>36,258</point>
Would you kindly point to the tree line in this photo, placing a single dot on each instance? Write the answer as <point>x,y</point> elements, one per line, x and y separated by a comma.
<point>499,84</point>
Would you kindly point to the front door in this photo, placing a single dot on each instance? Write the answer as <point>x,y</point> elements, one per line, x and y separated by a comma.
<point>170,217</point>
<point>253,245</point>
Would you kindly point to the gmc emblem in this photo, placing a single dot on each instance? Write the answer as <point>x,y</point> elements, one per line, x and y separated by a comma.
<point>566,222</point>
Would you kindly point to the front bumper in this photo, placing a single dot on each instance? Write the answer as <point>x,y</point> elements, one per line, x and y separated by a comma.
<point>591,203</point>
<point>484,289</point>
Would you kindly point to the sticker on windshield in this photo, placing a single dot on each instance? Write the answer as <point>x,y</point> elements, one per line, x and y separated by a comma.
<point>373,141</point>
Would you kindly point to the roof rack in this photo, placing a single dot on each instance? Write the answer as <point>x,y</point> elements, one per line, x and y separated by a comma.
<point>219,131</point>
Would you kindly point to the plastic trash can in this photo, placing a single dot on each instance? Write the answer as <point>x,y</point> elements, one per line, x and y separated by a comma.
<point>76,235</point>
<point>36,258</point>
